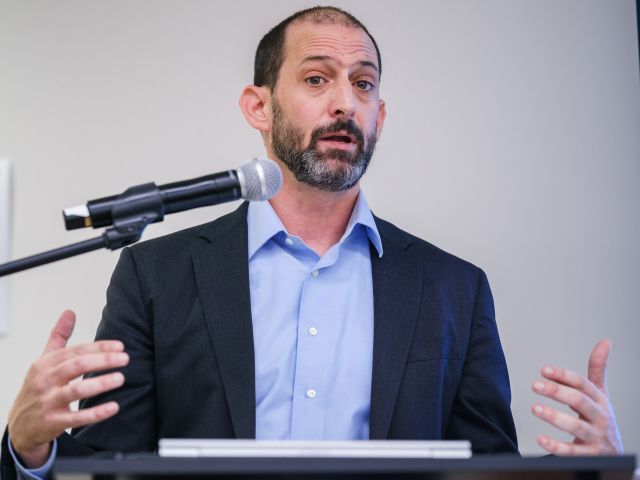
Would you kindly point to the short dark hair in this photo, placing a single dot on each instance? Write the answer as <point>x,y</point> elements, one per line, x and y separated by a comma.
<point>269,55</point>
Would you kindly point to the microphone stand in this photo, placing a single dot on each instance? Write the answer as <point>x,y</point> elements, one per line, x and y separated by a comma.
<point>136,208</point>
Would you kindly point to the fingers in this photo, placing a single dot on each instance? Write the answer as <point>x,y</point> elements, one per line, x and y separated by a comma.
<point>105,346</point>
<point>98,346</point>
<point>578,401</point>
<point>89,387</point>
<point>61,332</point>
<point>573,380</point>
<point>596,430</point>
<point>86,416</point>
<point>41,409</point>
<point>78,365</point>
<point>577,427</point>
<point>597,372</point>
<point>564,449</point>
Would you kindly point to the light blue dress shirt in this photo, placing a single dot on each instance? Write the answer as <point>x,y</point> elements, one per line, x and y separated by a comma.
<point>36,473</point>
<point>312,330</point>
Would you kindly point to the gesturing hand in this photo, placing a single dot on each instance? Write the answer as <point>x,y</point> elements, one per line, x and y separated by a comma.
<point>595,429</point>
<point>41,410</point>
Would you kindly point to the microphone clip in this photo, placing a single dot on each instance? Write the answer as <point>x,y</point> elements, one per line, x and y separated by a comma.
<point>134,209</point>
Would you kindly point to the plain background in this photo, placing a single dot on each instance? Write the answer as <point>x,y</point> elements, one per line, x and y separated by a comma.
<point>512,141</point>
<point>5,238</point>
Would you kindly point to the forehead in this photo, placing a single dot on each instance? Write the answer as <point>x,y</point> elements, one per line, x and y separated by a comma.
<point>346,44</point>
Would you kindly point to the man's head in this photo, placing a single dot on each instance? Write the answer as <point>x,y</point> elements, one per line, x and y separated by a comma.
<point>270,51</point>
<point>315,96</point>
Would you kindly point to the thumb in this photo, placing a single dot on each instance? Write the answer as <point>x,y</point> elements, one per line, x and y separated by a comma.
<point>61,332</point>
<point>597,372</point>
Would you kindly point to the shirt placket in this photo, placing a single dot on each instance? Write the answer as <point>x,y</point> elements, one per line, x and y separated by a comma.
<point>313,355</point>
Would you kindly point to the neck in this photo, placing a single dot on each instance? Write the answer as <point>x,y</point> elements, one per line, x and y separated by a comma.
<point>318,217</point>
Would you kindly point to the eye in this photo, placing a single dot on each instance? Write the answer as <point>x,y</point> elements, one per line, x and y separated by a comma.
<point>314,80</point>
<point>363,85</point>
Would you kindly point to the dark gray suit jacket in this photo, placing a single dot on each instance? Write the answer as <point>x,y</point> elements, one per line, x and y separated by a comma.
<point>181,305</point>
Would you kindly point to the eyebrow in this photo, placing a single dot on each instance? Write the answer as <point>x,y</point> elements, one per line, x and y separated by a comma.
<point>327,58</point>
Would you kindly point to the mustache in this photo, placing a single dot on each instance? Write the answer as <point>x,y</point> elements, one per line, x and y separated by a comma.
<point>348,126</point>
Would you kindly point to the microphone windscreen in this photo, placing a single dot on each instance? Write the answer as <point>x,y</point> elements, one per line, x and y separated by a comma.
<point>260,179</point>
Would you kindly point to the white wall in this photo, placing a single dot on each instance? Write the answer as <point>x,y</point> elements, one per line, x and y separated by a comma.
<point>511,141</point>
<point>5,239</point>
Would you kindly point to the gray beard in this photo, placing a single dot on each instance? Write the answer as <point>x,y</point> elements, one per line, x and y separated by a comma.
<point>319,169</point>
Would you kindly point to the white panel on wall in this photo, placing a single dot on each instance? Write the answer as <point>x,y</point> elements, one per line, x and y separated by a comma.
<point>5,238</point>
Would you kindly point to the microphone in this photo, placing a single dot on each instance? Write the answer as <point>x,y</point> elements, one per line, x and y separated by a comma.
<point>256,180</point>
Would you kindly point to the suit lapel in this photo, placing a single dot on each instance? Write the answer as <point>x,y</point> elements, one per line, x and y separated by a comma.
<point>222,275</point>
<point>397,290</point>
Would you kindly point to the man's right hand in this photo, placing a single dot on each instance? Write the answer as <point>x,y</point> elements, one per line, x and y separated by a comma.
<point>41,410</point>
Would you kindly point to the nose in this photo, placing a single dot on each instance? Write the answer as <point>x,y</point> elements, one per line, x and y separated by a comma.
<point>342,100</point>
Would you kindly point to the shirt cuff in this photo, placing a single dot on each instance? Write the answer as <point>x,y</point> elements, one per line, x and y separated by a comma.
<point>35,473</point>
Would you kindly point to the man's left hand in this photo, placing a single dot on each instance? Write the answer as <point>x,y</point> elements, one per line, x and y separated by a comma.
<point>595,429</point>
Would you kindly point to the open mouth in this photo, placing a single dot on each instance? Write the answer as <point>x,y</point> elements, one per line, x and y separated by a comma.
<point>339,137</point>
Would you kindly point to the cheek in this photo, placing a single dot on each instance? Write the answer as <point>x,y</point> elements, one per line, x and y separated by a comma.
<point>369,125</point>
<point>305,124</point>
<point>307,116</point>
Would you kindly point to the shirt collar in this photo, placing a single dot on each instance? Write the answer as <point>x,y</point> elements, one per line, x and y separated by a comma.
<point>263,224</point>
<point>361,215</point>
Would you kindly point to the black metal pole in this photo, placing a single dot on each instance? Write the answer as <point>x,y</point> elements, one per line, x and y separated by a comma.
<point>638,20</point>
<point>131,213</point>
<point>51,256</point>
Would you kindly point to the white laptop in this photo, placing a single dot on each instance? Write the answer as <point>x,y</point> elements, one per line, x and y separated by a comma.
<point>180,447</point>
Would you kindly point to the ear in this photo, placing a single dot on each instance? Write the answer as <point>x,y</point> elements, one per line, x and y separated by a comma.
<point>254,103</point>
<point>382,114</point>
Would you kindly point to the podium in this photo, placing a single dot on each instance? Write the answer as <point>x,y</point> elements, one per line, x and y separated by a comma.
<point>484,467</point>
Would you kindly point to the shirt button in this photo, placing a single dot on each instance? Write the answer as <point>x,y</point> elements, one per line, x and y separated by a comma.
<point>288,241</point>
<point>313,331</point>
<point>314,273</point>
<point>311,393</point>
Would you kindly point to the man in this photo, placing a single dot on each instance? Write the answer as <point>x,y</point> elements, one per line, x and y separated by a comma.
<point>305,317</point>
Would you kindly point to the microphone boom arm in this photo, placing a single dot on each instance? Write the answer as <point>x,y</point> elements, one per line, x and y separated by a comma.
<point>136,208</point>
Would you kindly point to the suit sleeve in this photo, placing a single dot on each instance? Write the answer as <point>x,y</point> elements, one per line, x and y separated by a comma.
<point>7,465</point>
<point>481,411</point>
<point>126,317</point>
